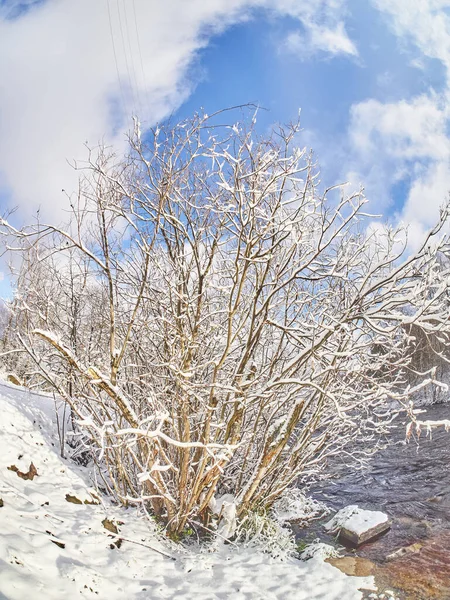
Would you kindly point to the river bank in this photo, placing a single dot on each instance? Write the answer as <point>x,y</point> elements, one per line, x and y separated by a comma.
<point>411,483</point>
<point>61,539</point>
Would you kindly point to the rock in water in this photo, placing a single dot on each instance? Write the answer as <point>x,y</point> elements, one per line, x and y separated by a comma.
<point>353,565</point>
<point>357,525</point>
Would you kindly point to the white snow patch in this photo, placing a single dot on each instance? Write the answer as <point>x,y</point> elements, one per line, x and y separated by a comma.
<point>36,514</point>
<point>225,508</point>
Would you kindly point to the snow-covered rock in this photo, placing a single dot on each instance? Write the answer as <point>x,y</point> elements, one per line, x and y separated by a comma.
<point>358,525</point>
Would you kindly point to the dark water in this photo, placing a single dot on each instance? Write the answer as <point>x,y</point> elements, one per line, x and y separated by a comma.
<point>411,483</point>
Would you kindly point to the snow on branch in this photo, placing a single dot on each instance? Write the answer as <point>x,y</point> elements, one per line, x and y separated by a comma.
<point>219,323</point>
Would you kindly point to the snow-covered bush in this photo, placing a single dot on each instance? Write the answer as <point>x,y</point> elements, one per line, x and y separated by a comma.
<point>318,549</point>
<point>294,505</point>
<point>214,320</point>
<point>261,531</point>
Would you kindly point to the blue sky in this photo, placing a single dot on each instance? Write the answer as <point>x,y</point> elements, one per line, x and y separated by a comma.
<point>247,64</point>
<point>371,79</point>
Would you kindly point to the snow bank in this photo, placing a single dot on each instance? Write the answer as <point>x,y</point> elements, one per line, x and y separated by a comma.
<point>52,547</point>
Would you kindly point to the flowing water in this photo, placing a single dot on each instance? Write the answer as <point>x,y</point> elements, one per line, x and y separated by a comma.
<point>411,483</point>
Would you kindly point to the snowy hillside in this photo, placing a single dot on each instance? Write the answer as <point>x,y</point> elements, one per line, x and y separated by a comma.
<point>57,536</point>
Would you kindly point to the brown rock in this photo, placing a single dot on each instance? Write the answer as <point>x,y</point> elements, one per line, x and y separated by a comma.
<point>353,565</point>
<point>358,539</point>
<point>412,549</point>
<point>424,574</point>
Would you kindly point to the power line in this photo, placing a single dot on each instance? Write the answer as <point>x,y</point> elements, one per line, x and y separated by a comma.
<point>115,58</point>
<point>144,79</point>
<point>126,59</point>
<point>133,70</point>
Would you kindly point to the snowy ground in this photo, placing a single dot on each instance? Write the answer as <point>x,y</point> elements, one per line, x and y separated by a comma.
<point>52,548</point>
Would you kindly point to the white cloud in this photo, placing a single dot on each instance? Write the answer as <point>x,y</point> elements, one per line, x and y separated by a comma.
<point>404,130</point>
<point>409,139</point>
<point>59,84</point>
<point>424,22</point>
<point>323,28</point>
<point>318,38</point>
<point>426,196</point>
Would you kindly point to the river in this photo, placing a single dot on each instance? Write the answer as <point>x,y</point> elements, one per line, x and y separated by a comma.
<point>411,483</point>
